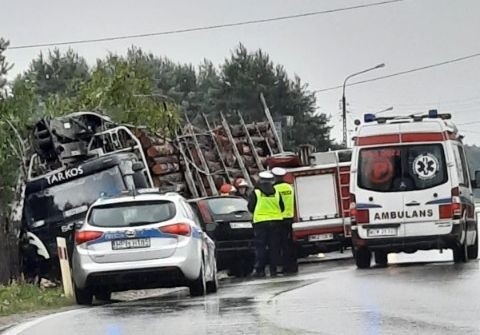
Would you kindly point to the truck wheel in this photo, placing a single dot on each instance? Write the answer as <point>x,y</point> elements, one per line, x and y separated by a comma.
<point>83,296</point>
<point>381,258</point>
<point>472,250</point>
<point>198,287</point>
<point>363,258</point>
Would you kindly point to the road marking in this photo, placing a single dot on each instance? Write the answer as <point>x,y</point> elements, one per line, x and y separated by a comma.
<point>18,330</point>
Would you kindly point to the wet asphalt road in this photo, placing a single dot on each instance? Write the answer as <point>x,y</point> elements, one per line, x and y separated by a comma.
<point>423,293</point>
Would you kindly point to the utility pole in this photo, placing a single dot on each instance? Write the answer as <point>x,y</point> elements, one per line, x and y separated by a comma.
<point>344,100</point>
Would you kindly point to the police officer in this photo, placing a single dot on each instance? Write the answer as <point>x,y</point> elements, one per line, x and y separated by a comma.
<point>287,247</point>
<point>267,206</point>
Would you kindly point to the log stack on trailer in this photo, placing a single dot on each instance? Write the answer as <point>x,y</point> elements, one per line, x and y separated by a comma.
<point>199,160</point>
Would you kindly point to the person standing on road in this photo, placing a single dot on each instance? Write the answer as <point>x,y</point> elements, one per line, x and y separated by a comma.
<point>287,247</point>
<point>267,206</point>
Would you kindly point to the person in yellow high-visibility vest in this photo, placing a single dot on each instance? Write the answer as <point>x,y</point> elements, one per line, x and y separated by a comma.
<point>267,206</point>
<point>287,246</point>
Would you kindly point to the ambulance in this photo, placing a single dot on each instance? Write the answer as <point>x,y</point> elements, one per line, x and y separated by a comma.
<point>410,189</point>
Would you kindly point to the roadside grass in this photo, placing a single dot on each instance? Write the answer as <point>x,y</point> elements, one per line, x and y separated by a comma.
<point>22,297</point>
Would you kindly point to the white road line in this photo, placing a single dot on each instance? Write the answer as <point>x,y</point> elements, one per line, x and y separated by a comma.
<point>17,330</point>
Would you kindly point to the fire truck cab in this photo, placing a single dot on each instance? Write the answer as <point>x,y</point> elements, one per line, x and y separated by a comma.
<point>410,189</point>
<point>322,203</point>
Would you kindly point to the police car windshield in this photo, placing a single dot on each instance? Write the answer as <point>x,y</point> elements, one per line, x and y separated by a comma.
<point>225,206</point>
<point>132,214</point>
<point>402,168</point>
<point>69,198</point>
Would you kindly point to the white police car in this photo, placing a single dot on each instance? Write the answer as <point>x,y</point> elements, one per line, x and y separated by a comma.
<point>410,189</point>
<point>141,241</point>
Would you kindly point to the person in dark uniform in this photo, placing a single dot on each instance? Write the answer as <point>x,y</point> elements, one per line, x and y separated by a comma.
<point>267,206</point>
<point>287,246</point>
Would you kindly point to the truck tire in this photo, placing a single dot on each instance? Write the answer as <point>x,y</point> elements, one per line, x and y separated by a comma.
<point>381,258</point>
<point>83,296</point>
<point>472,250</point>
<point>198,287</point>
<point>363,258</point>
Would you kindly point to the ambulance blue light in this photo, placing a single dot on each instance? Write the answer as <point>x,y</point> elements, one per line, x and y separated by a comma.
<point>432,113</point>
<point>369,118</point>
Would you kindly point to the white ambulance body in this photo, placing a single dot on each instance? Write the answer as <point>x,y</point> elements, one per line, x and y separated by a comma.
<point>322,203</point>
<point>410,189</point>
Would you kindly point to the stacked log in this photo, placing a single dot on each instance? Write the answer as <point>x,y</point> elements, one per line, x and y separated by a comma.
<point>208,165</point>
<point>163,162</point>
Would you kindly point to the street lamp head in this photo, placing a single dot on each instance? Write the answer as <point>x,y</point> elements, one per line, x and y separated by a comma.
<point>380,66</point>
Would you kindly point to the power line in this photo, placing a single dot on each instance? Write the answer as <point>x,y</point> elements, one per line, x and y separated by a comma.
<point>203,28</point>
<point>450,61</point>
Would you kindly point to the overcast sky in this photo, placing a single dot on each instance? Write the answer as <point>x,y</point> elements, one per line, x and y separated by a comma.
<point>322,49</point>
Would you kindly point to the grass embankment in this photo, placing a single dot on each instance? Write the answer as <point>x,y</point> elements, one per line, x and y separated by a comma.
<point>20,297</point>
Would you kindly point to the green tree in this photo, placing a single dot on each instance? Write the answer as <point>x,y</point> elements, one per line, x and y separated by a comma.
<point>245,75</point>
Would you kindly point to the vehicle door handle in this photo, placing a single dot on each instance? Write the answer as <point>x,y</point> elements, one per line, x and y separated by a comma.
<point>413,203</point>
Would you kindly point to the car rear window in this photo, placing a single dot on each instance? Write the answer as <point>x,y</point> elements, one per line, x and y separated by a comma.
<point>224,206</point>
<point>131,214</point>
<point>402,168</point>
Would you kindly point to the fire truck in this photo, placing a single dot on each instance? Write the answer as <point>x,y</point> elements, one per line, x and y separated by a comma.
<point>322,202</point>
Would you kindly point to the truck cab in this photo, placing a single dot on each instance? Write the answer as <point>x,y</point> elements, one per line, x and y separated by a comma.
<point>410,189</point>
<point>79,158</point>
<point>322,203</point>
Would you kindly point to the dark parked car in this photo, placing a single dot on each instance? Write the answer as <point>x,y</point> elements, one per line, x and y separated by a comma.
<point>228,222</point>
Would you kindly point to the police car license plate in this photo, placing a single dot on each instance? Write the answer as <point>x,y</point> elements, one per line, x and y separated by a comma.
<point>373,232</point>
<point>240,225</point>
<point>320,237</point>
<point>131,244</point>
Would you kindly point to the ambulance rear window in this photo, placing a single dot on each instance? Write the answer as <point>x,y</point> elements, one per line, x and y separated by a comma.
<point>402,168</point>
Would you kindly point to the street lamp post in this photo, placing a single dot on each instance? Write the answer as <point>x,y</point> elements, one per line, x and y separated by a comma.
<point>344,100</point>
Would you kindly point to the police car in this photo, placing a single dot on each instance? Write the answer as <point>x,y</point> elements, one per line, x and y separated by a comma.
<point>410,189</point>
<point>138,241</point>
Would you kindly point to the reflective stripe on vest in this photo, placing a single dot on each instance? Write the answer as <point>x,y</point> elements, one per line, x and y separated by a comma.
<point>288,197</point>
<point>267,208</point>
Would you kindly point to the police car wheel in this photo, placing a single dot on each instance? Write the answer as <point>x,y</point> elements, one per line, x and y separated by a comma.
<point>198,287</point>
<point>212,286</point>
<point>103,295</point>
<point>381,258</point>
<point>83,296</point>
<point>363,258</point>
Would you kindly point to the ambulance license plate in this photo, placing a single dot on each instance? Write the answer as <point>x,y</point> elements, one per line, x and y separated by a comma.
<point>320,237</point>
<point>240,225</point>
<point>131,244</point>
<point>374,232</point>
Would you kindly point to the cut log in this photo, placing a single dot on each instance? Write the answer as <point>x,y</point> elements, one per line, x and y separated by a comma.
<point>160,150</point>
<point>166,168</point>
<point>166,159</point>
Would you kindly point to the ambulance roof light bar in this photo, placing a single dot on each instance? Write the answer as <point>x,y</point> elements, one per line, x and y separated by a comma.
<point>432,114</point>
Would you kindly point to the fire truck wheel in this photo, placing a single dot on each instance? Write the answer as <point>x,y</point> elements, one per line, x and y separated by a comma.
<point>363,258</point>
<point>381,258</point>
